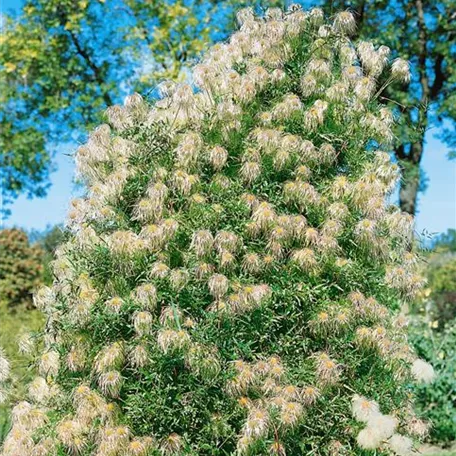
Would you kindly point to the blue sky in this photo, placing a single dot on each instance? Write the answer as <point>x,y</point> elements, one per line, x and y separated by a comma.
<point>6,5</point>
<point>436,209</point>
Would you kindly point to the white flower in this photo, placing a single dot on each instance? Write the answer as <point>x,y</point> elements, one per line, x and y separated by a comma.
<point>118,117</point>
<point>250,171</point>
<point>39,390</point>
<point>218,157</point>
<point>171,444</point>
<point>304,258</point>
<point>139,356</point>
<point>314,116</point>
<point>146,295</point>
<point>110,357</point>
<point>245,15</point>
<point>226,241</point>
<point>159,270</point>
<point>43,298</point>
<point>202,242</point>
<point>423,371</point>
<point>384,425</point>
<point>110,383</point>
<point>256,424</point>
<point>169,340</point>
<point>401,445</point>
<point>368,439</point>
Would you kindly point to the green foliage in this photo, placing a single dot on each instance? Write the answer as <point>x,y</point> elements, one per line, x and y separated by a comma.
<point>21,267</point>
<point>446,242</point>
<point>441,277</point>
<point>433,334</point>
<point>442,282</point>
<point>437,402</point>
<point>49,239</point>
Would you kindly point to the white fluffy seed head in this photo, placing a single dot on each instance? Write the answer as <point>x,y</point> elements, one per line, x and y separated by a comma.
<point>422,371</point>
<point>218,285</point>
<point>384,425</point>
<point>401,445</point>
<point>345,23</point>
<point>368,439</point>
<point>202,242</point>
<point>364,409</point>
<point>49,364</point>
<point>142,322</point>
<point>400,70</point>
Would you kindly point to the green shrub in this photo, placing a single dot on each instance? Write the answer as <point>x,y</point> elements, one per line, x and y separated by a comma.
<point>437,402</point>
<point>21,273</point>
<point>445,242</point>
<point>441,275</point>
<point>433,335</point>
<point>21,267</point>
<point>233,274</point>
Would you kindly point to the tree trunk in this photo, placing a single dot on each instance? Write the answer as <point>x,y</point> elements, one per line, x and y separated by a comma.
<point>410,163</point>
<point>411,175</point>
<point>408,192</point>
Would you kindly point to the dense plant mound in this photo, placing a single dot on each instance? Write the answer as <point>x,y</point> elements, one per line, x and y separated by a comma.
<point>232,276</point>
<point>21,267</point>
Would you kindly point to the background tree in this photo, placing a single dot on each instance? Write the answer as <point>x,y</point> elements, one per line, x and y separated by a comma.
<point>424,32</point>
<point>64,62</point>
<point>446,242</point>
<point>21,267</point>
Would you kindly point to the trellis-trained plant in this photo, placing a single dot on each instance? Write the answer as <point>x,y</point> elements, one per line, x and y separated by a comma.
<point>234,275</point>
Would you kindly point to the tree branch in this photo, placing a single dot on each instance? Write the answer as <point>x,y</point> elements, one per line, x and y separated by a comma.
<point>95,69</point>
<point>85,55</point>
<point>439,78</point>
<point>359,13</point>
<point>422,54</point>
<point>400,152</point>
